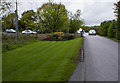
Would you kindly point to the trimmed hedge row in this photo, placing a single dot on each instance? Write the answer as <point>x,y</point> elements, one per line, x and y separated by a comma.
<point>109,28</point>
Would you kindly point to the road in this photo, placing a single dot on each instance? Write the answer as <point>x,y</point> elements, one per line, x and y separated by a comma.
<point>101,60</point>
<point>119,62</point>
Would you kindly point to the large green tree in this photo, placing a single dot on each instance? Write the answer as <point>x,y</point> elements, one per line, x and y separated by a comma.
<point>75,21</point>
<point>117,11</point>
<point>28,20</point>
<point>53,16</point>
<point>8,21</point>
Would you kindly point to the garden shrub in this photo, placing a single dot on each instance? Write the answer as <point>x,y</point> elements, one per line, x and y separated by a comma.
<point>59,37</point>
<point>68,36</point>
<point>56,36</point>
<point>111,34</point>
<point>110,31</point>
<point>117,36</point>
<point>59,33</point>
<point>71,37</point>
<point>47,31</point>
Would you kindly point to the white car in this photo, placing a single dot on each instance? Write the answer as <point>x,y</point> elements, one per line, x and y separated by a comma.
<point>92,32</point>
<point>28,32</point>
<point>10,31</point>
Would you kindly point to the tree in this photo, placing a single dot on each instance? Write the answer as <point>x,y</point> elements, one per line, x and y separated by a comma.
<point>75,21</point>
<point>8,21</point>
<point>28,20</point>
<point>53,16</point>
<point>104,27</point>
<point>111,33</point>
<point>5,8</point>
<point>117,11</point>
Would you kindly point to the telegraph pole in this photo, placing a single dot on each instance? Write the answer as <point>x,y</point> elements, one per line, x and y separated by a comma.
<point>16,27</point>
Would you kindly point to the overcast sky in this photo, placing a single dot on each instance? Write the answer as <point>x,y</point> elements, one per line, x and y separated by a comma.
<point>93,11</point>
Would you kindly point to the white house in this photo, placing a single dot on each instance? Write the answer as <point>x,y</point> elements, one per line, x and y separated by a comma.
<point>80,30</point>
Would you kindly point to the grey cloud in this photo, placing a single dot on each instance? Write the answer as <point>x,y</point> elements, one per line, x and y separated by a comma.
<point>92,12</point>
<point>97,12</point>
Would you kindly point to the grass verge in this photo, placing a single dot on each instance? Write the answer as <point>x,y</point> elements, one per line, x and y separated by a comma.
<point>41,61</point>
<point>114,39</point>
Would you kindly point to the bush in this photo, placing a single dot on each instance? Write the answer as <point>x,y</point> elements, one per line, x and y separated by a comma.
<point>46,38</point>
<point>117,35</point>
<point>56,36</point>
<point>110,31</point>
<point>111,34</point>
<point>68,37</point>
<point>47,31</point>
<point>59,33</point>
<point>59,37</point>
<point>104,28</point>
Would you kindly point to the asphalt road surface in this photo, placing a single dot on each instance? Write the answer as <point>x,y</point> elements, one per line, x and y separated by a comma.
<point>101,60</point>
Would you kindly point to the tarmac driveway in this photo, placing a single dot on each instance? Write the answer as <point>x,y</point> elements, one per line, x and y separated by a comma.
<point>101,60</point>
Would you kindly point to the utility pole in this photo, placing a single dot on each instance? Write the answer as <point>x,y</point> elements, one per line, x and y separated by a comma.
<point>16,27</point>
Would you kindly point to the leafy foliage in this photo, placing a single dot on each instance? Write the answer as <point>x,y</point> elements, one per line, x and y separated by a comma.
<point>117,11</point>
<point>53,16</point>
<point>104,27</point>
<point>5,7</point>
<point>59,36</point>
<point>8,21</point>
<point>87,28</point>
<point>50,17</point>
<point>111,34</point>
<point>28,20</point>
<point>118,35</point>
<point>75,21</point>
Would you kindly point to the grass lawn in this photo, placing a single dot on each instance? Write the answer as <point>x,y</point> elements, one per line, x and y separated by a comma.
<point>41,61</point>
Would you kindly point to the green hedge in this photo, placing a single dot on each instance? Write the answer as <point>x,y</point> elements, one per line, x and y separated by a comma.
<point>111,34</point>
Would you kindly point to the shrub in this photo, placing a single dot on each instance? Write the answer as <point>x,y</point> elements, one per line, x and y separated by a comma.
<point>46,38</point>
<point>47,31</point>
<point>59,37</point>
<point>68,37</point>
<point>71,37</point>
<point>56,36</point>
<point>59,33</point>
<point>117,36</point>
<point>104,27</point>
<point>111,34</point>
